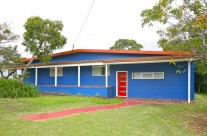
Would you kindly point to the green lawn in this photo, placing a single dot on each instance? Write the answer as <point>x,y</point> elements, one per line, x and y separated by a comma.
<point>150,119</point>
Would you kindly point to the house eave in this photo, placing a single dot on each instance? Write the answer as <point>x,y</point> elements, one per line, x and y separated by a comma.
<point>137,60</point>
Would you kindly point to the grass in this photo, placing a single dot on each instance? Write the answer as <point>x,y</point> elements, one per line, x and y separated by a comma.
<point>149,119</point>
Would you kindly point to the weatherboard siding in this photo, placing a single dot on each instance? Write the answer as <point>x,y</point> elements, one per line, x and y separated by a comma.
<point>92,56</point>
<point>173,86</point>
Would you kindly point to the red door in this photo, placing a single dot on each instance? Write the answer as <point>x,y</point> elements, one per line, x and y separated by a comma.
<point>121,84</point>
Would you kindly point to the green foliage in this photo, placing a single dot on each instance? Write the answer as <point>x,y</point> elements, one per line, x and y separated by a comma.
<point>6,34</point>
<point>9,58</point>
<point>42,37</point>
<point>126,44</point>
<point>200,83</point>
<point>10,88</point>
<point>184,27</point>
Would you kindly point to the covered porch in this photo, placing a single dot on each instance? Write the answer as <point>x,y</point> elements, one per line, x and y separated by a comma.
<point>83,82</point>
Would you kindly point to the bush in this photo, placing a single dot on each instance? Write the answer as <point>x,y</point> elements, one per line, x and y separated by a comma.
<point>10,88</point>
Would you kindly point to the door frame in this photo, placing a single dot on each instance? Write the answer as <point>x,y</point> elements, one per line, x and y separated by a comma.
<point>117,83</point>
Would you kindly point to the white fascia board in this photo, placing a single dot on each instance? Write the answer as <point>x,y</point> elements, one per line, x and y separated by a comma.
<point>69,65</point>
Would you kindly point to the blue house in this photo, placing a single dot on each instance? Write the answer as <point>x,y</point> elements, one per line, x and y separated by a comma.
<point>116,73</point>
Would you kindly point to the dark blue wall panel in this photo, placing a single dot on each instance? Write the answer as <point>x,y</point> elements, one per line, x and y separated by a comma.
<point>70,76</point>
<point>88,79</point>
<point>87,91</point>
<point>192,80</point>
<point>30,78</point>
<point>91,56</point>
<point>44,77</point>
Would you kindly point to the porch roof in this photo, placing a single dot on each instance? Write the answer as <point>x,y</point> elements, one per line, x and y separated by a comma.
<point>134,60</point>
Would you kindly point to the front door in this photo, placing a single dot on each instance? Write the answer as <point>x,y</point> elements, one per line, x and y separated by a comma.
<point>121,87</point>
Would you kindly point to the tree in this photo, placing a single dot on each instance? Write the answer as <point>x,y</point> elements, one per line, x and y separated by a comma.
<point>184,27</point>
<point>9,56</point>
<point>6,35</point>
<point>41,38</point>
<point>9,59</point>
<point>126,44</point>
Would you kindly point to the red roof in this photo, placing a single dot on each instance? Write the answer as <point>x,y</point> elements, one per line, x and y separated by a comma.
<point>169,53</point>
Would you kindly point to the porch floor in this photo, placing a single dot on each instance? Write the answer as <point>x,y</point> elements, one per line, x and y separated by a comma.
<point>44,116</point>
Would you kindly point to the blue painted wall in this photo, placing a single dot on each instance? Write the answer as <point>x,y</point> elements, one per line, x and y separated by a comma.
<point>30,78</point>
<point>173,86</point>
<point>88,79</point>
<point>91,56</point>
<point>87,91</point>
<point>70,76</point>
<point>192,80</point>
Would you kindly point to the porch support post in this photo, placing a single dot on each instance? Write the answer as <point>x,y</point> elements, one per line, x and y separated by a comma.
<point>55,76</point>
<point>189,80</point>
<point>106,75</point>
<point>36,76</point>
<point>78,76</point>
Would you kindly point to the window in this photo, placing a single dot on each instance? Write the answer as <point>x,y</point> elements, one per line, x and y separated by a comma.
<point>99,71</point>
<point>59,71</point>
<point>159,75</point>
<point>148,75</point>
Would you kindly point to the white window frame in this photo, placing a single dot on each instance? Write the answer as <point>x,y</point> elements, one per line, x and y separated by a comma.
<point>100,66</point>
<point>153,75</point>
<point>59,71</point>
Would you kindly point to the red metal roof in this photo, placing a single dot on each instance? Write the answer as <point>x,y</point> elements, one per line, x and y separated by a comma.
<point>168,53</point>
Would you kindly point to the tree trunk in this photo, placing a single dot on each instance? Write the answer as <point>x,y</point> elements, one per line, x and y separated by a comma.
<point>9,74</point>
<point>21,79</point>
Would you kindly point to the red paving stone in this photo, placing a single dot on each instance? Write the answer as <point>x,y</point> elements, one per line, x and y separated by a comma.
<point>68,112</point>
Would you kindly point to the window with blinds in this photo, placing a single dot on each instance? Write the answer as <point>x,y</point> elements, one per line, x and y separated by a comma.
<point>147,75</point>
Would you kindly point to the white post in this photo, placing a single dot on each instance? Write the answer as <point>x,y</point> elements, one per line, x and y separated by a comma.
<point>106,74</point>
<point>55,76</point>
<point>189,80</point>
<point>36,76</point>
<point>78,76</point>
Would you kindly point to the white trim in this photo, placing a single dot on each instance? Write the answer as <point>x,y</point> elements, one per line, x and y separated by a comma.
<point>106,75</point>
<point>78,76</point>
<point>36,76</point>
<point>189,80</point>
<point>117,83</point>
<point>69,65</point>
<point>55,76</point>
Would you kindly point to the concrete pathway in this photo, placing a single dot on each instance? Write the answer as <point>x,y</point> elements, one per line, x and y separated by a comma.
<point>68,112</point>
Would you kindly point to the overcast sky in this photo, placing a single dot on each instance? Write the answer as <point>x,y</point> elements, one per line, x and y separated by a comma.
<point>108,21</point>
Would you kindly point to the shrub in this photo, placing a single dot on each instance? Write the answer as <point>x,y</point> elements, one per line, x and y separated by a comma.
<point>10,88</point>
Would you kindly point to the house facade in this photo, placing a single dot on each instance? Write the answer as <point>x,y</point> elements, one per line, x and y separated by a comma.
<point>116,73</point>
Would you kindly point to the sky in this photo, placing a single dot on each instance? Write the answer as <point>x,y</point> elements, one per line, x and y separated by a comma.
<point>109,20</point>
